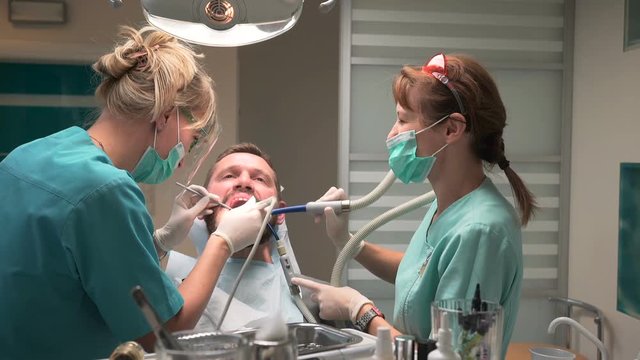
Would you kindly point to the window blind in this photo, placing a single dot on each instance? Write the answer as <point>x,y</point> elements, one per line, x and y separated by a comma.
<point>522,44</point>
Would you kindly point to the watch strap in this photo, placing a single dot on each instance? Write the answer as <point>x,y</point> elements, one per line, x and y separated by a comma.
<point>362,324</point>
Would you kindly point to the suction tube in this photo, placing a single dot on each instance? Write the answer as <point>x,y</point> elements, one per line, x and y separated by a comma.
<point>375,194</point>
<point>340,206</point>
<point>296,294</point>
<point>349,249</point>
<point>306,313</point>
<point>317,207</point>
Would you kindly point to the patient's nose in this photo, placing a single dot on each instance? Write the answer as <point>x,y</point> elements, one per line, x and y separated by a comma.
<point>243,181</point>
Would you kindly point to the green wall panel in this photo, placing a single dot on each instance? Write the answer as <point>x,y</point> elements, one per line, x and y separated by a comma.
<point>19,124</point>
<point>46,79</point>
<point>629,240</point>
<point>632,24</point>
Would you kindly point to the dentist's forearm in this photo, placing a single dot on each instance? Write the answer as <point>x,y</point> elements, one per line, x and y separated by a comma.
<point>197,288</point>
<point>161,253</point>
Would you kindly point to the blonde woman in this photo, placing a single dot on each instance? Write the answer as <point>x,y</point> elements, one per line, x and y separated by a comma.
<point>76,235</point>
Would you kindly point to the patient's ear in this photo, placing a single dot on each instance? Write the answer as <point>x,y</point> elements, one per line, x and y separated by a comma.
<point>280,218</point>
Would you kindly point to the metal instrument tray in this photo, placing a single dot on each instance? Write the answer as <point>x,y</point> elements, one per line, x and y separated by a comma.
<point>314,338</point>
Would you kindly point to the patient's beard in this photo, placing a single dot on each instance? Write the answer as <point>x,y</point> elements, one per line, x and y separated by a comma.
<point>212,225</point>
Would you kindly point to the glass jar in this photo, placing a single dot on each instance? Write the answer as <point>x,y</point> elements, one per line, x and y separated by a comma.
<point>476,330</point>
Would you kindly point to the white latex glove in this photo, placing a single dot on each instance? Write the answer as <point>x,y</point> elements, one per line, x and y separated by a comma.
<point>240,226</point>
<point>335,303</point>
<point>186,208</point>
<point>337,225</point>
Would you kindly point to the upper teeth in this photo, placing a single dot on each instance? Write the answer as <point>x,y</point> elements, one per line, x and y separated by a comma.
<point>237,199</point>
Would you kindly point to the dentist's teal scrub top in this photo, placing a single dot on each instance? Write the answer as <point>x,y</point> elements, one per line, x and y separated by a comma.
<point>75,239</point>
<point>475,240</point>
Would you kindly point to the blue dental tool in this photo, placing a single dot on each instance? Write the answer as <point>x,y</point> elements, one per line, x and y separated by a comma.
<point>273,232</point>
<point>316,207</point>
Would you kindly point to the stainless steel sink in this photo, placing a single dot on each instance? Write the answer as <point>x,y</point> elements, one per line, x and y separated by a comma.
<point>314,338</point>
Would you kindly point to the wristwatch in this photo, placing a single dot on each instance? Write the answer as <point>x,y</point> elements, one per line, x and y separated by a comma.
<point>362,324</point>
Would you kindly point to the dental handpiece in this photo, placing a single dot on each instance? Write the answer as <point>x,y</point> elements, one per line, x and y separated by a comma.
<point>288,274</point>
<point>201,195</point>
<point>316,207</point>
<point>284,261</point>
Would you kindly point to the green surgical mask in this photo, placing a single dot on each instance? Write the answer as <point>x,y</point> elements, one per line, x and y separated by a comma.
<point>404,162</point>
<point>152,169</point>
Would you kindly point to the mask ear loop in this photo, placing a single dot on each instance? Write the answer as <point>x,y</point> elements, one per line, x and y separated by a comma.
<point>434,124</point>
<point>423,130</point>
<point>442,148</point>
<point>155,136</point>
<point>178,121</point>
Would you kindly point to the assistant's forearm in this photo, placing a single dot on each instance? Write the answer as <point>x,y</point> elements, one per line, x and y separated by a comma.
<point>377,322</point>
<point>380,261</point>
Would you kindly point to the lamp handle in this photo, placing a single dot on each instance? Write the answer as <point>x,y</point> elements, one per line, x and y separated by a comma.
<point>326,6</point>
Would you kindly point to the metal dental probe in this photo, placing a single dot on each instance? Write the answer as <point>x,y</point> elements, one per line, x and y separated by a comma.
<point>201,195</point>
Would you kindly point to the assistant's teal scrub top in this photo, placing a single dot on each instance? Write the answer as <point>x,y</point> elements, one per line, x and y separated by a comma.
<point>75,238</point>
<point>475,240</point>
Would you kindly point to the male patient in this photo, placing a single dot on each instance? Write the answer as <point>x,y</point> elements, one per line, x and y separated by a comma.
<point>240,172</point>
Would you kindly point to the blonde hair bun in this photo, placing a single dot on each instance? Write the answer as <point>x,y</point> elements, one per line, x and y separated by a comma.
<point>150,72</point>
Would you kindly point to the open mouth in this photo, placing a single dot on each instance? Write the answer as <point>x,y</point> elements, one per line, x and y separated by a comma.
<point>237,200</point>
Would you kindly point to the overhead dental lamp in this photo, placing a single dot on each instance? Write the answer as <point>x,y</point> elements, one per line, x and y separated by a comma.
<point>224,22</point>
